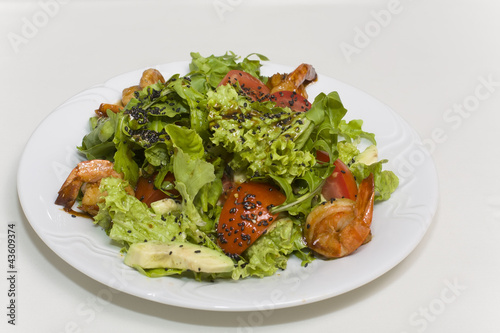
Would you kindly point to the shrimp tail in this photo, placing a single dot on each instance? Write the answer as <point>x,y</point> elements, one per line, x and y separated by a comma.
<point>86,172</point>
<point>69,190</point>
<point>356,233</point>
<point>363,210</point>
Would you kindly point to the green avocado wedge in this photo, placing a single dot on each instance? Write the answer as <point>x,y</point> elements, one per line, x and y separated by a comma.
<point>177,255</point>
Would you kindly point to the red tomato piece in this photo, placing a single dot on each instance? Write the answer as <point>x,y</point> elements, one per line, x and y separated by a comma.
<point>249,85</point>
<point>147,192</point>
<point>245,216</point>
<point>341,183</point>
<point>290,99</point>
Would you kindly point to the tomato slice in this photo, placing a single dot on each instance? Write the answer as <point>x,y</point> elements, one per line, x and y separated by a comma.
<point>258,91</point>
<point>341,183</point>
<point>245,216</point>
<point>147,192</point>
<point>290,99</point>
<point>249,85</point>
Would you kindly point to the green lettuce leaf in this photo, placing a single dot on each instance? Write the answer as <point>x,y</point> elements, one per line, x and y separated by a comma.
<point>271,251</point>
<point>191,175</point>
<point>98,143</point>
<point>260,136</point>
<point>127,220</point>
<point>385,181</point>
<point>208,72</point>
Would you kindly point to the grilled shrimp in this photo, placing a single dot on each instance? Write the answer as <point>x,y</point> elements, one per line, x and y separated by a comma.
<point>295,81</point>
<point>337,228</point>
<point>129,93</point>
<point>104,107</point>
<point>149,76</point>
<point>86,176</point>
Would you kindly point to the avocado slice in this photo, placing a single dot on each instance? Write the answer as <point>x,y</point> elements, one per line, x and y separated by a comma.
<point>177,255</point>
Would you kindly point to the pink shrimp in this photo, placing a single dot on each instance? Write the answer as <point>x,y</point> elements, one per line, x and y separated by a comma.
<point>85,176</point>
<point>339,227</point>
<point>295,81</point>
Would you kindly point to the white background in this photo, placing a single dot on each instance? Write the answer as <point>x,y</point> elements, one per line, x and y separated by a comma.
<point>425,59</point>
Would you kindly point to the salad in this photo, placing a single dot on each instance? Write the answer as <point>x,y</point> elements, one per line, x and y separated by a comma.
<point>225,173</point>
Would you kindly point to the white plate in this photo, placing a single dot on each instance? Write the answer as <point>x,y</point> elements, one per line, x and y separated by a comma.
<point>398,224</point>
